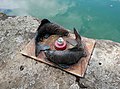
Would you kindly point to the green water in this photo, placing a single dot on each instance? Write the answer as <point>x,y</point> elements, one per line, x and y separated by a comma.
<point>99,19</point>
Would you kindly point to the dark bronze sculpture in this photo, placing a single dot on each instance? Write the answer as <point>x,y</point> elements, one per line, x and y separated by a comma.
<point>63,58</point>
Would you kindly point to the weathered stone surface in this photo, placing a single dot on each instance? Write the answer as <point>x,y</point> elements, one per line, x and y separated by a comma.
<point>19,72</point>
<point>104,68</point>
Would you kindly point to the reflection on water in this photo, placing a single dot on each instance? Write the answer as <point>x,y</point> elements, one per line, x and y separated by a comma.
<point>95,19</point>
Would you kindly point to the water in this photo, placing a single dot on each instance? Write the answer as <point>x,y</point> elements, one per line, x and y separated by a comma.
<point>99,19</point>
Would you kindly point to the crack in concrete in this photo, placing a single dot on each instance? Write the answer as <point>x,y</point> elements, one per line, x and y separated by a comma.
<point>81,85</point>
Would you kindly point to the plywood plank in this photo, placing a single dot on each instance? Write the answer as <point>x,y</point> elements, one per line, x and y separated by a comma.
<point>77,69</point>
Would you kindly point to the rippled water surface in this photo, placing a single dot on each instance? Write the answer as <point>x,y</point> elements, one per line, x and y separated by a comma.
<point>93,18</point>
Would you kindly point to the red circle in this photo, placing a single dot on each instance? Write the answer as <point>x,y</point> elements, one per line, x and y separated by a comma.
<point>60,46</point>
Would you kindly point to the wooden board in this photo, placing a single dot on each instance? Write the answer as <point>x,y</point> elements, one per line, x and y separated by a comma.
<point>77,69</point>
